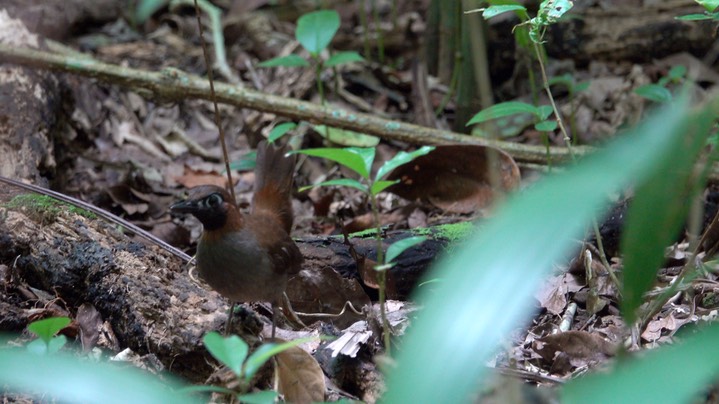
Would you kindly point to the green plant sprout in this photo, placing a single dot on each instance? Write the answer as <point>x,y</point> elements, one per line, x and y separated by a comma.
<point>709,13</point>
<point>47,342</point>
<point>504,109</point>
<point>360,161</point>
<point>550,11</point>
<point>314,32</point>
<point>233,352</point>
<point>658,92</point>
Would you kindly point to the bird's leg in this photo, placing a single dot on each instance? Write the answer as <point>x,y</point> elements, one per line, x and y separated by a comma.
<point>275,308</point>
<point>228,324</point>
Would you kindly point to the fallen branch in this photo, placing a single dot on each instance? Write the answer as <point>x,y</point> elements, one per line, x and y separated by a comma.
<point>174,85</point>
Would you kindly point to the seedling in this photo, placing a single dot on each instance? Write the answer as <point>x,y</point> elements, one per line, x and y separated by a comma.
<point>47,342</point>
<point>658,92</point>
<point>314,32</point>
<point>360,161</point>
<point>233,352</point>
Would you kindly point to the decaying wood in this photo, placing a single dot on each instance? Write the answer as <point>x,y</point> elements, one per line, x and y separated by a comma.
<point>145,293</point>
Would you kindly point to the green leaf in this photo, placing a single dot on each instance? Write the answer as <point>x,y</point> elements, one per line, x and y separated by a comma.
<point>501,110</point>
<point>280,130</point>
<point>67,379</point>
<point>340,182</point>
<point>231,351</point>
<point>694,17</point>
<point>550,11</point>
<point>543,112</point>
<point>546,126</point>
<point>709,5</point>
<point>581,86</point>
<point>653,376</point>
<point>401,158</point>
<point>677,72</point>
<point>47,328</point>
<point>343,57</point>
<point>654,92</point>
<point>267,351</point>
<point>285,61</point>
<point>657,212</point>
<point>380,186</point>
<point>246,163</point>
<point>493,11</point>
<point>398,247</point>
<point>464,317</point>
<point>56,344</point>
<point>315,30</point>
<point>261,397</point>
<point>356,159</point>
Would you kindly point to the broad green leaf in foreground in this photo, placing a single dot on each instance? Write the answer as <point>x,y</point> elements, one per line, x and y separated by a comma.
<point>489,283</point>
<point>669,374</point>
<point>71,380</point>
<point>657,212</point>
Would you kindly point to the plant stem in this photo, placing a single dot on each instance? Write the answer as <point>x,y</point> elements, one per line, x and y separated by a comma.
<point>381,276</point>
<point>545,79</point>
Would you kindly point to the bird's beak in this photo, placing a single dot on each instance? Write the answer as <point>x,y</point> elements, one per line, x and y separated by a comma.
<point>184,207</point>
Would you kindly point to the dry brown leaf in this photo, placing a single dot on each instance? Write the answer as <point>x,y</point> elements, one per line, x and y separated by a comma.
<point>553,294</point>
<point>299,376</point>
<point>455,178</point>
<point>90,321</point>
<point>573,349</point>
<point>193,178</point>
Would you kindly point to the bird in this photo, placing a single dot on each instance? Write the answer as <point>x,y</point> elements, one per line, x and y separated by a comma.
<point>248,257</point>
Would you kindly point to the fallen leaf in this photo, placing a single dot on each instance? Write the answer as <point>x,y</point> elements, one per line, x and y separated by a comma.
<point>299,376</point>
<point>456,178</point>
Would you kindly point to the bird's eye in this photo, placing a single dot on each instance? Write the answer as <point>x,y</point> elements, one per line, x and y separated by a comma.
<point>214,200</point>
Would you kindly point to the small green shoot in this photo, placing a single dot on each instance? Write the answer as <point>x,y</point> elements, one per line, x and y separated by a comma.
<point>233,352</point>
<point>47,342</point>
<point>360,161</point>
<point>314,32</point>
<point>658,92</point>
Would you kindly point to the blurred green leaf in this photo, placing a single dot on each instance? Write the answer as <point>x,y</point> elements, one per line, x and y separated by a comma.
<point>401,158</point>
<point>657,212</point>
<point>543,112</point>
<point>653,377</point>
<point>501,110</point>
<point>654,92</point>
<point>400,246</point>
<point>380,186</point>
<point>493,11</point>
<point>45,329</point>
<point>546,126</point>
<point>677,72</point>
<point>709,5</point>
<point>267,351</point>
<point>285,61</point>
<point>230,351</point>
<point>356,159</point>
<point>261,397</point>
<point>315,30</point>
<point>246,163</point>
<point>342,58</point>
<point>464,317</point>
<point>280,130</point>
<point>71,380</point>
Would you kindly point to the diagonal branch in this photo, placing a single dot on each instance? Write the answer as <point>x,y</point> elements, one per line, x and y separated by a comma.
<point>174,85</point>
